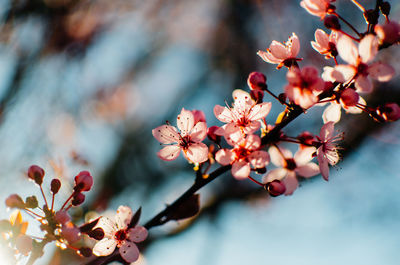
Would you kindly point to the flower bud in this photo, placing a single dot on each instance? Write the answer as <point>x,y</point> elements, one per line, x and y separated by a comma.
<point>55,186</point>
<point>212,135</point>
<point>36,173</point>
<point>306,138</point>
<point>97,233</point>
<point>71,234</point>
<point>261,170</point>
<point>83,181</point>
<point>371,16</point>
<point>86,252</point>
<point>78,199</point>
<point>198,116</point>
<point>385,8</point>
<point>257,95</point>
<point>349,97</point>
<point>389,111</point>
<point>332,22</point>
<point>275,188</point>
<point>257,81</point>
<point>388,33</point>
<point>31,202</point>
<point>62,217</point>
<point>15,201</point>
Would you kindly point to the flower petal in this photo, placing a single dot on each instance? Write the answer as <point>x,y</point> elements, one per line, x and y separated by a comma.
<point>223,114</point>
<point>294,45</point>
<point>278,50</point>
<point>259,159</point>
<point>240,170</point>
<point>347,50</point>
<point>363,84</point>
<point>123,217</point>
<point>137,234</point>
<point>252,142</point>
<point>199,132</point>
<point>129,252</point>
<point>276,155</point>
<point>332,113</point>
<point>308,170</point>
<point>381,72</point>
<point>104,247</point>
<point>368,48</point>
<point>197,153</point>
<point>304,155</point>
<point>166,134</point>
<point>108,226</point>
<point>185,121</point>
<point>259,111</point>
<point>277,173</point>
<point>224,157</point>
<point>323,164</point>
<point>170,152</point>
<point>291,183</point>
<point>326,132</point>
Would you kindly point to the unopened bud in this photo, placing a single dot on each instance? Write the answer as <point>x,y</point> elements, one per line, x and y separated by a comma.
<point>97,233</point>
<point>257,95</point>
<point>31,202</point>
<point>83,181</point>
<point>55,186</point>
<point>15,201</point>
<point>371,16</point>
<point>261,170</point>
<point>332,22</point>
<point>275,188</point>
<point>36,173</point>
<point>71,234</point>
<point>282,98</point>
<point>86,252</point>
<point>349,97</point>
<point>62,217</point>
<point>212,135</point>
<point>78,199</point>
<point>199,116</point>
<point>385,8</point>
<point>257,81</point>
<point>389,111</point>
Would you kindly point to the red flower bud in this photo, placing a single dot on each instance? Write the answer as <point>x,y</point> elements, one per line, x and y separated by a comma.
<point>275,188</point>
<point>15,201</point>
<point>257,81</point>
<point>257,95</point>
<point>55,186</point>
<point>389,111</point>
<point>36,173</point>
<point>332,22</point>
<point>83,181</point>
<point>62,217</point>
<point>78,199</point>
<point>199,116</point>
<point>211,134</point>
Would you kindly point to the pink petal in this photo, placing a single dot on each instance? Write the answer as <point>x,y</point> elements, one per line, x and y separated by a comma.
<point>268,57</point>
<point>170,152</point>
<point>224,157</point>
<point>108,226</point>
<point>294,45</point>
<point>355,110</point>
<point>291,183</point>
<point>368,48</point>
<point>252,142</point>
<point>277,173</point>
<point>259,111</point>
<point>199,132</point>
<point>327,131</point>
<point>137,234</point>
<point>240,170</point>
<point>104,247</point>
<point>197,153</point>
<point>129,252</point>
<point>332,113</point>
<point>323,164</point>
<point>321,41</point>
<point>259,159</point>
<point>308,170</point>
<point>278,50</point>
<point>223,114</point>
<point>242,96</point>
<point>363,84</point>
<point>347,50</point>
<point>381,72</point>
<point>233,134</point>
<point>343,73</point>
<point>166,134</point>
<point>252,127</point>
<point>304,155</point>
<point>123,217</point>
<point>276,156</point>
<point>185,121</point>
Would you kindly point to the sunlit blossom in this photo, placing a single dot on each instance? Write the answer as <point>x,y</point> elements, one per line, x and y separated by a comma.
<point>317,8</point>
<point>325,44</point>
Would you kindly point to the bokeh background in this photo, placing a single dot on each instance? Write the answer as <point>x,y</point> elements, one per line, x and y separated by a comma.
<point>82,83</point>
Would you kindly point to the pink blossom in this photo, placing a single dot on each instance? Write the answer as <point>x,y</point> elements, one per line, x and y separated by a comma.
<point>388,33</point>
<point>359,67</point>
<point>244,117</point>
<point>189,139</point>
<point>327,152</point>
<point>244,154</point>
<point>282,53</point>
<point>118,234</point>
<point>325,44</point>
<point>289,166</point>
<point>304,86</point>
<point>317,8</point>
<point>347,100</point>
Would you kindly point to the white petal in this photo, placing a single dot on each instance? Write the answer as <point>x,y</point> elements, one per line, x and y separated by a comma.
<point>326,131</point>
<point>166,134</point>
<point>347,50</point>
<point>104,247</point>
<point>199,132</point>
<point>276,155</point>
<point>259,159</point>
<point>291,183</point>
<point>259,111</point>
<point>252,142</point>
<point>363,84</point>
<point>332,113</point>
<point>224,157</point>
<point>308,170</point>
<point>137,234</point>
<point>277,173</point>
<point>123,217</point>
<point>381,72</point>
<point>197,152</point>
<point>241,170</point>
<point>185,121</point>
<point>368,48</point>
<point>108,226</point>
<point>169,152</point>
<point>304,155</point>
<point>129,252</point>
<point>223,114</point>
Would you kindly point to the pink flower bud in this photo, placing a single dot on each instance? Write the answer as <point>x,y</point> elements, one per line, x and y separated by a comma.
<point>83,181</point>
<point>257,95</point>
<point>389,111</point>
<point>211,134</point>
<point>332,22</point>
<point>62,217</point>
<point>78,199</point>
<point>349,97</point>
<point>198,116</point>
<point>71,234</point>
<point>36,173</point>
<point>55,186</point>
<point>257,80</point>
<point>15,201</point>
<point>275,188</point>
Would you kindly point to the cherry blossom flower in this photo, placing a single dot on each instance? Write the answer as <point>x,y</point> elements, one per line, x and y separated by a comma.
<point>189,139</point>
<point>244,153</point>
<point>359,65</point>
<point>290,165</point>
<point>244,117</point>
<point>325,44</point>
<point>304,86</point>
<point>348,99</point>
<point>118,234</point>
<point>318,8</point>
<point>282,53</point>
<point>327,152</point>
